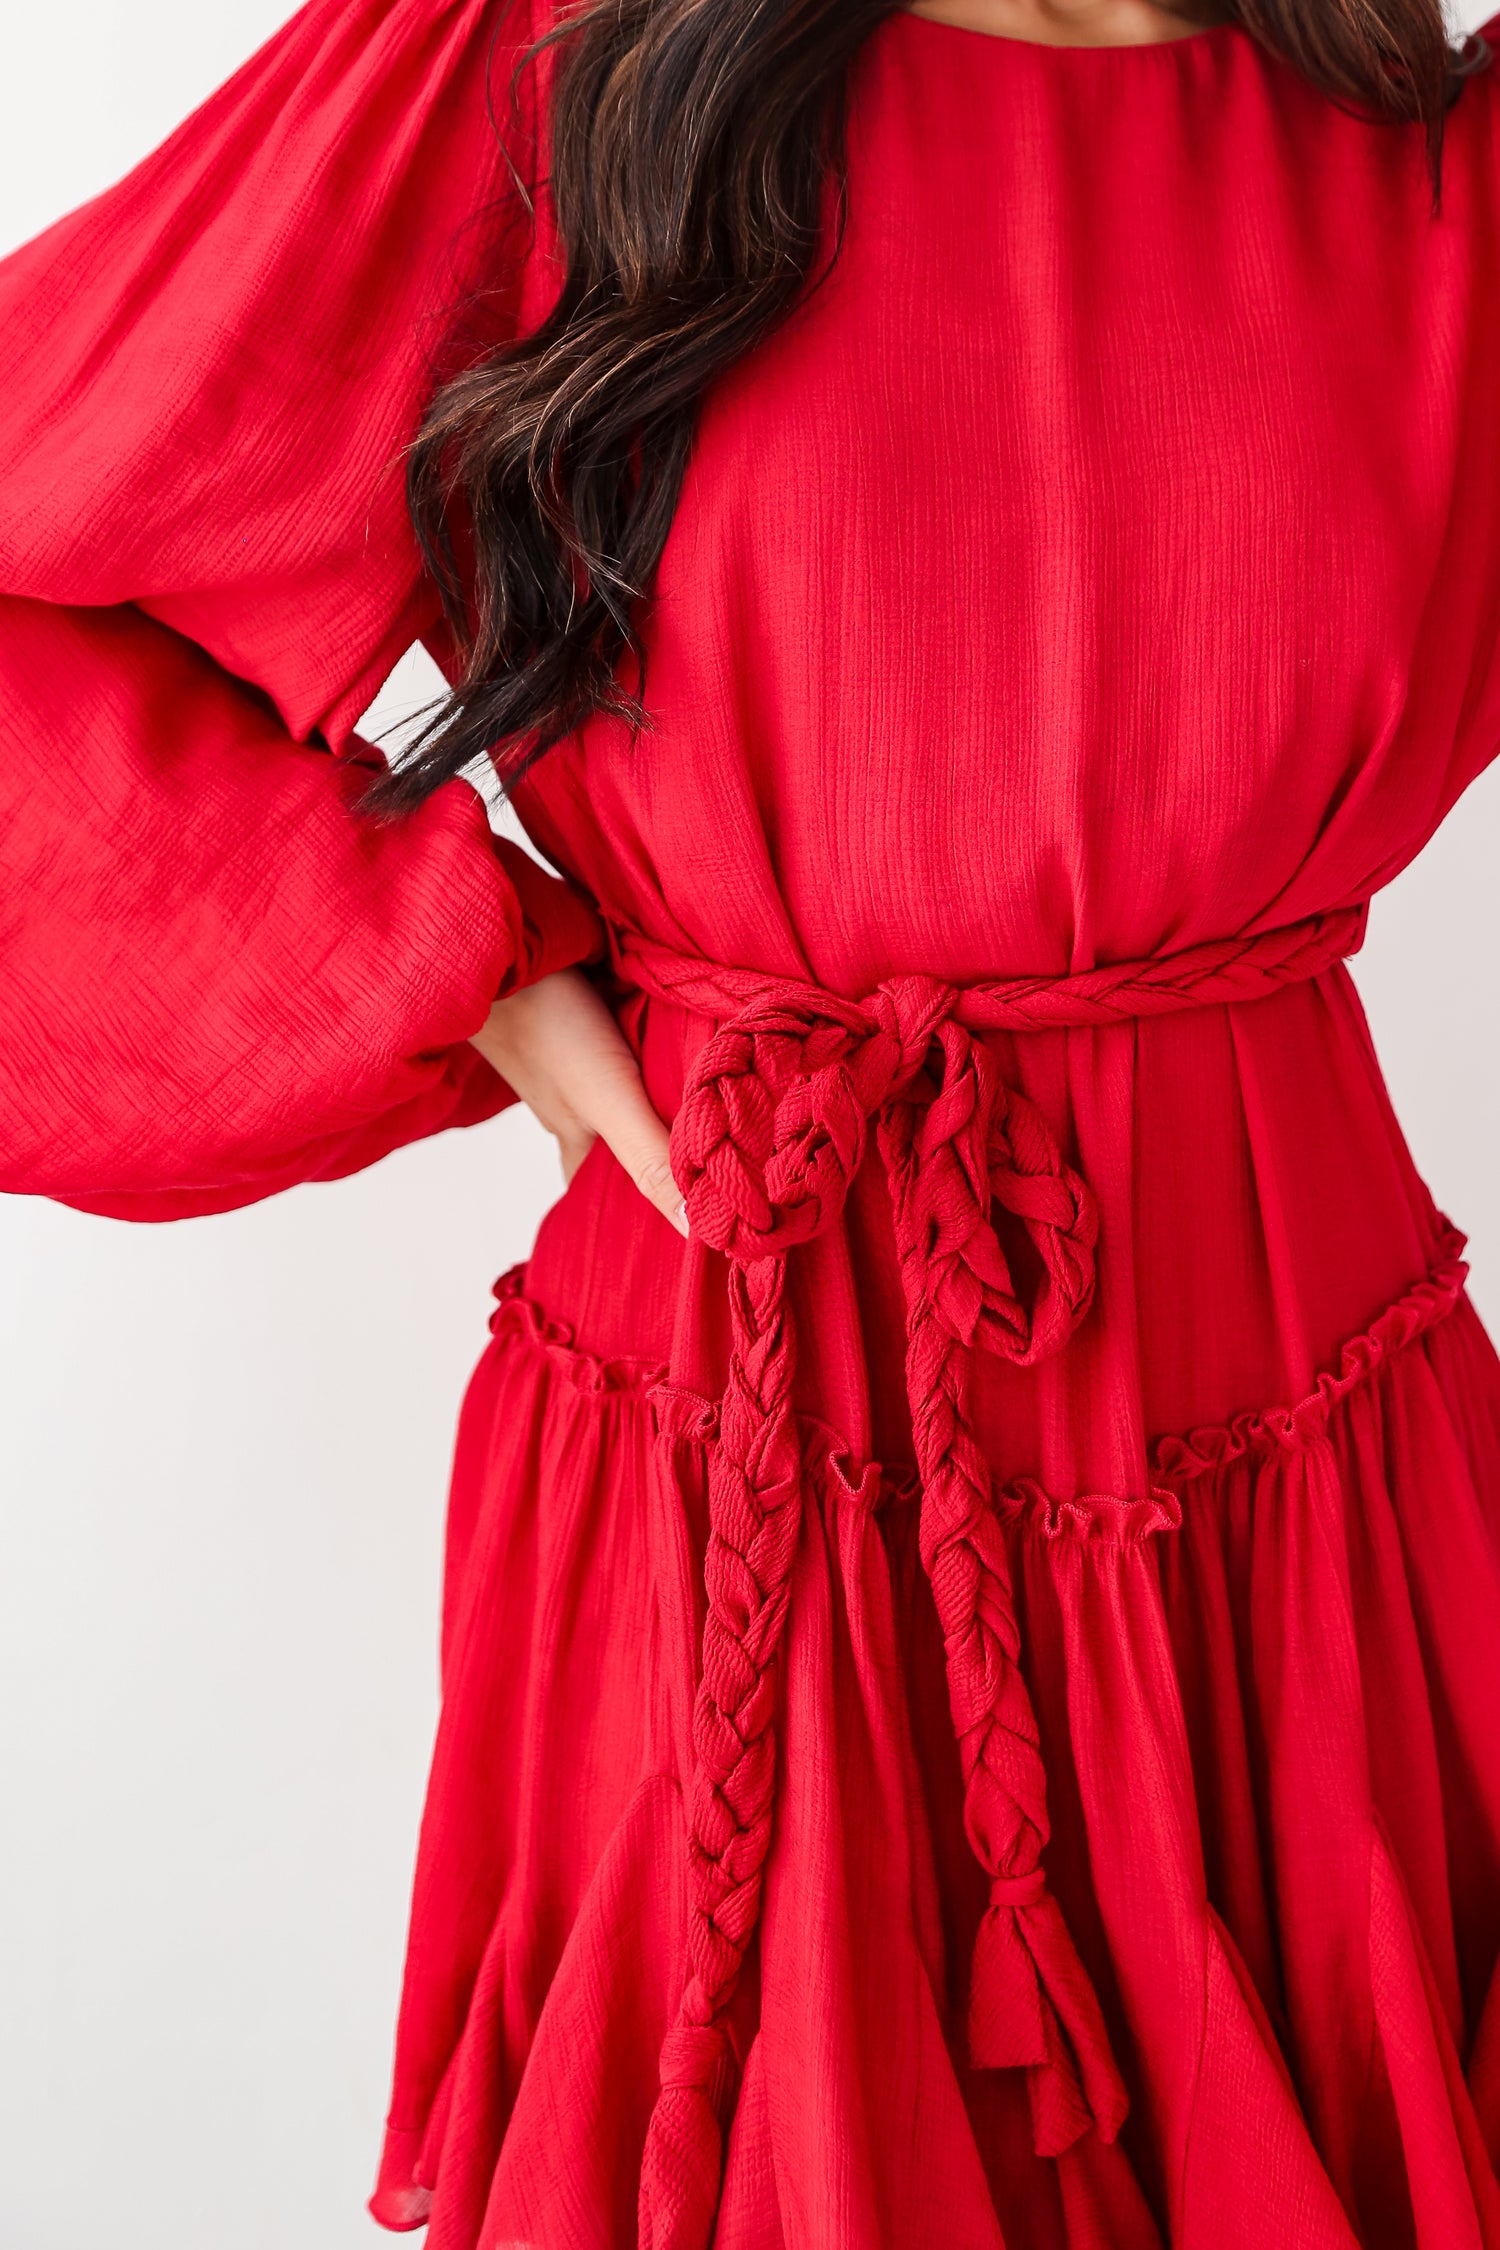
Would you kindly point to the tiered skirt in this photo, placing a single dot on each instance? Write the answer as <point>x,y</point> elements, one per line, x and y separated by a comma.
<point>1268,1690</point>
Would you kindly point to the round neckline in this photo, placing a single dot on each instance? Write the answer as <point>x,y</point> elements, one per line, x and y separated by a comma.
<point>1199,38</point>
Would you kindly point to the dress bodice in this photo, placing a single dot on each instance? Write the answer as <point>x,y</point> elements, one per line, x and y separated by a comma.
<point>1103,559</point>
<point>1100,562</point>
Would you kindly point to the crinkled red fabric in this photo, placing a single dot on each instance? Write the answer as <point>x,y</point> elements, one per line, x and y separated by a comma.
<point>218,978</point>
<point>1086,1827</point>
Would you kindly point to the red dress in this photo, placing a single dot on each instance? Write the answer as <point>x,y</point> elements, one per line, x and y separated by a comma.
<point>1065,1448</point>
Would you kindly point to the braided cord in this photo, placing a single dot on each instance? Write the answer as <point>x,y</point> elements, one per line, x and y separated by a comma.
<point>771,1131</point>
<point>755,1514</point>
<point>1031,2004</point>
<point>1217,971</point>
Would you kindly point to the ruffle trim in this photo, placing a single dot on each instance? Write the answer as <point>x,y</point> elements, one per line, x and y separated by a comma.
<point>1183,1458</point>
<point>687,1417</point>
<point>519,1316</point>
<point>1103,1517</point>
<point>1176,1460</point>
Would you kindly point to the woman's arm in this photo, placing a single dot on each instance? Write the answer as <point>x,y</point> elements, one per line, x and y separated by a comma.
<point>216,977</point>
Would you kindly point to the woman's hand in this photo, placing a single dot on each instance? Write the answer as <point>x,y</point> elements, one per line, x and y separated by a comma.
<point>558,1046</point>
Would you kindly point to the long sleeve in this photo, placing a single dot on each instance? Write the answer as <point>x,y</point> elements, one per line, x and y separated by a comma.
<point>216,977</point>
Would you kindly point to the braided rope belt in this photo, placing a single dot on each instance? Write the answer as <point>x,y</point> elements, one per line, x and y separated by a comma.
<point>773,1126</point>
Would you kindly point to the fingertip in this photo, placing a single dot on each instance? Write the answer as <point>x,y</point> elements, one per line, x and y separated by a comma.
<point>678,1216</point>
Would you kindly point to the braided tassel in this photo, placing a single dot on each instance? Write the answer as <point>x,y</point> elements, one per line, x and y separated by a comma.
<point>755,1513</point>
<point>1031,2003</point>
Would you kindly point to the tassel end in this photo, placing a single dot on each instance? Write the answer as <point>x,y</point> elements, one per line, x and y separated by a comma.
<point>682,2166</point>
<point>1031,2006</point>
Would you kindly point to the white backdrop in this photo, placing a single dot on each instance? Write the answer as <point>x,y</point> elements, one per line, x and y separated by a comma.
<point>223,1452</point>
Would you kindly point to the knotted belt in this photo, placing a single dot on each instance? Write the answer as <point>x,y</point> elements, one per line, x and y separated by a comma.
<point>773,1126</point>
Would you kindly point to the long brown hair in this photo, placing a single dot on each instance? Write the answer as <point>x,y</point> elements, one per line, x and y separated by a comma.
<point>692,144</point>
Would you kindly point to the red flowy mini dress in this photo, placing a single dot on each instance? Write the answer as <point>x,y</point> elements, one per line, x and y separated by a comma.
<point>971,1685</point>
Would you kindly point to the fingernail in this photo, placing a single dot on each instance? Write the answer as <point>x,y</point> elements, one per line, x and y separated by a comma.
<point>679,1216</point>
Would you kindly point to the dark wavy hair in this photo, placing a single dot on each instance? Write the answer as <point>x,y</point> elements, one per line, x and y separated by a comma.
<point>691,147</point>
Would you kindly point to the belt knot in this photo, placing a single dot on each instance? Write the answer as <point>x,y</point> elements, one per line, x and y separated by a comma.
<point>774,1124</point>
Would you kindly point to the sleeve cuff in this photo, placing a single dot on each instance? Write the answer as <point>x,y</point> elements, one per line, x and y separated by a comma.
<point>560,926</point>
